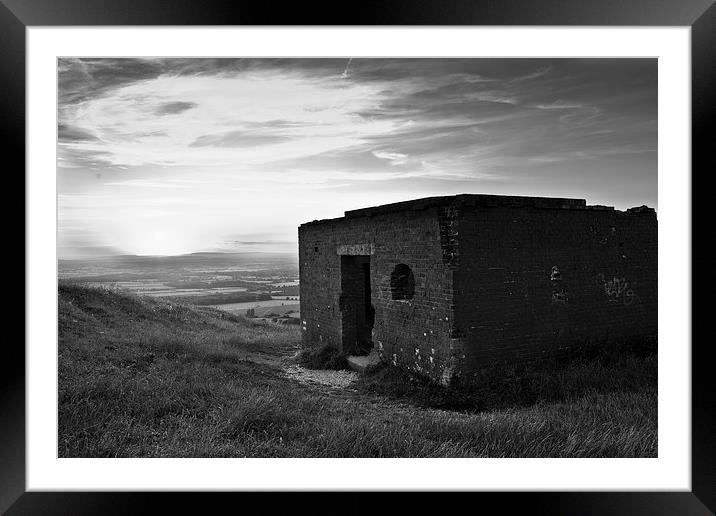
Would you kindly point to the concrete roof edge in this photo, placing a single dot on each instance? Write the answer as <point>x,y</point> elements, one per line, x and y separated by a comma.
<point>480,200</point>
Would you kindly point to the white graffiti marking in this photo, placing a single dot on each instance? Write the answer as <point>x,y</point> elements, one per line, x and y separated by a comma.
<point>616,289</point>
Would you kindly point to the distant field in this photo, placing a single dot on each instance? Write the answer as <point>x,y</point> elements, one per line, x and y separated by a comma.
<point>261,308</point>
<point>200,278</point>
<point>192,292</point>
<point>207,298</point>
<point>210,293</point>
<point>140,377</point>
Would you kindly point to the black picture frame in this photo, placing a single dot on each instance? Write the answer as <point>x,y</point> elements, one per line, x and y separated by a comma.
<point>700,15</point>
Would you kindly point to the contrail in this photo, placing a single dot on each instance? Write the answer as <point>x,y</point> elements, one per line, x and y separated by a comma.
<point>344,75</point>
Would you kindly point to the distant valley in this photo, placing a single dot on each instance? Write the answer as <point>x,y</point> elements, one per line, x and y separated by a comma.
<point>262,284</point>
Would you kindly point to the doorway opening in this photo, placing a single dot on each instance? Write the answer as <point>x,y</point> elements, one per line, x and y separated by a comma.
<point>358,313</point>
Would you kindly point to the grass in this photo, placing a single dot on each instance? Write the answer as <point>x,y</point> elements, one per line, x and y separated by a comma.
<point>326,357</point>
<point>596,369</point>
<point>143,377</point>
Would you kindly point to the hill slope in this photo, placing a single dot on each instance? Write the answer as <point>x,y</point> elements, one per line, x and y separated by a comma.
<point>142,377</point>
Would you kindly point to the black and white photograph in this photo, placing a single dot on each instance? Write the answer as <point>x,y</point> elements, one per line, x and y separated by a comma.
<point>357,257</point>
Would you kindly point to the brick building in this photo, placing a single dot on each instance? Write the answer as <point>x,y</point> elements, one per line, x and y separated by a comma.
<point>444,286</point>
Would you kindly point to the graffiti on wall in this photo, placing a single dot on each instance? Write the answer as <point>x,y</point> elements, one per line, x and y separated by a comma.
<point>617,289</point>
<point>559,293</point>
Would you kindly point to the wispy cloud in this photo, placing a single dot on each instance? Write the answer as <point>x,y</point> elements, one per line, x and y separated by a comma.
<point>238,139</point>
<point>560,104</point>
<point>344,75</point>
<point>216,140</point>
<point>142,183</point>
<point>67,134</point>
<point>394,158</point>
<point>173,108</point>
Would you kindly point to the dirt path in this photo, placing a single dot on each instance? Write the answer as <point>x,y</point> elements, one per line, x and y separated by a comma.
<point>335,379</point>
<point>329,378</point>
<point>336,384</point>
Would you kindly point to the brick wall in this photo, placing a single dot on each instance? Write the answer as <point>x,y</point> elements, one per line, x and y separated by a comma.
<point>415,333</point>
<point>532,281</point>
<point>497,279</point>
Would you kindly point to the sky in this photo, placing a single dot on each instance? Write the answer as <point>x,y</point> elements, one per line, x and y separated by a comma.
<point>171,156</point>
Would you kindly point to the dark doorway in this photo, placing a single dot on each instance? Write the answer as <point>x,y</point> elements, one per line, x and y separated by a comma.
<point>358,314</point>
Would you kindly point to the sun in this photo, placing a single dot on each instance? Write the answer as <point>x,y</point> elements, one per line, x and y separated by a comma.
<point>155,242</point>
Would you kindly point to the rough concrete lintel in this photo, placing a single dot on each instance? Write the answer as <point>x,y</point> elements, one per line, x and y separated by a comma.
<point>356,249</point>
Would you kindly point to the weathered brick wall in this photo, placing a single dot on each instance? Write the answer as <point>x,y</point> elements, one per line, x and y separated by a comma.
<point>415,334</point>
<point>531,281</point>
<point>497,279</point>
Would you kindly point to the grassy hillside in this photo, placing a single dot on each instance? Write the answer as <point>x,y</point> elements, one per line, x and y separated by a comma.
<point>143,377</point>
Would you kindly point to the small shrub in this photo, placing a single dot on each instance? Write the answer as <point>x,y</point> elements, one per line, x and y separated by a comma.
<point>326,357</point>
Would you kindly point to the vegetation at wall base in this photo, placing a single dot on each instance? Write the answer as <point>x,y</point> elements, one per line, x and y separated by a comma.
<point>324,357</point>
<point>628,367</point>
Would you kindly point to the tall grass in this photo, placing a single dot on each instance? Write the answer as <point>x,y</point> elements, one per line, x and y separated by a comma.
<point>626,367</point>
<point>140,377</point>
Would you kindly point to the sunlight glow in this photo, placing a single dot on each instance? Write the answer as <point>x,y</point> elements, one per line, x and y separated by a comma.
<point>155,242</point>
<point>162,156</point>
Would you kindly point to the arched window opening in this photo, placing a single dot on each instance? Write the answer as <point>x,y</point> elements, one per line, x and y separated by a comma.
<point>402,282</point>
